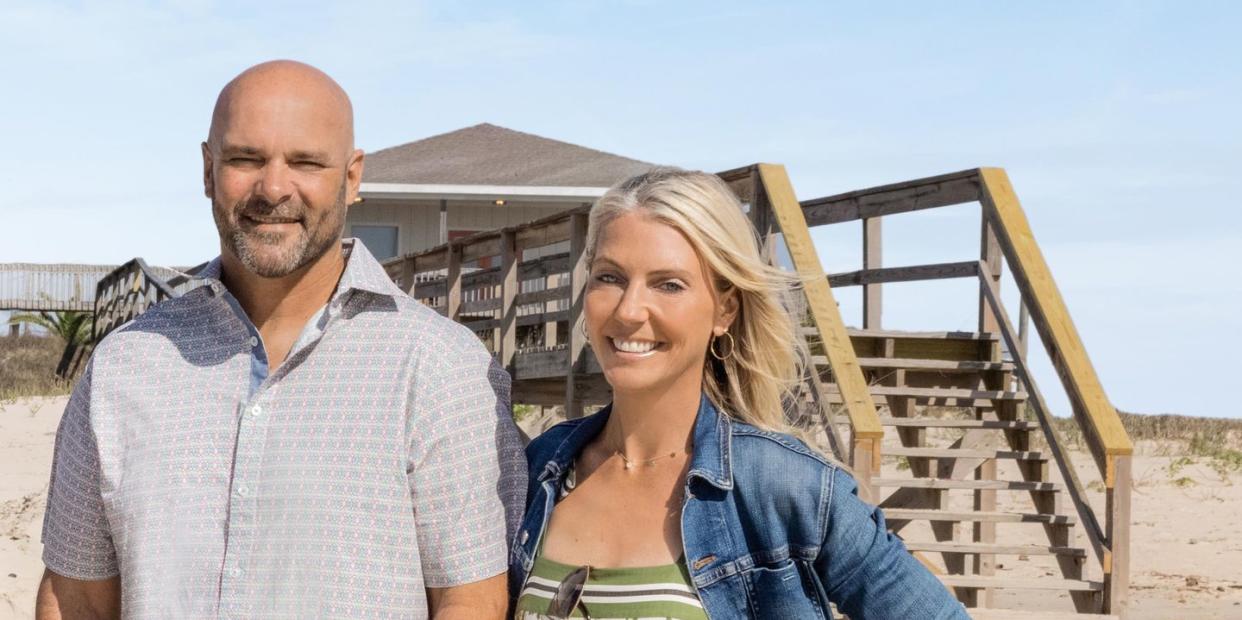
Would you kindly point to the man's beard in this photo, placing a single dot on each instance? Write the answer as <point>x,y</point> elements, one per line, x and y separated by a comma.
<point>275,255</point>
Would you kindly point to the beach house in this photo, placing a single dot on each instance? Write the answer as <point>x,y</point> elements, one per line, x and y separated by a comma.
<point>424,193</point>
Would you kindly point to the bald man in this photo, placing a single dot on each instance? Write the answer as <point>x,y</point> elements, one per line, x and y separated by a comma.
<point>296,437</point>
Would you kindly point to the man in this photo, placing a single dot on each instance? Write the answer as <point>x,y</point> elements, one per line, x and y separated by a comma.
<point>296,438</point>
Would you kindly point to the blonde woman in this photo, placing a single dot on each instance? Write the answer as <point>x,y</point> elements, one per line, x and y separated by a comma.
<point>686,497</point>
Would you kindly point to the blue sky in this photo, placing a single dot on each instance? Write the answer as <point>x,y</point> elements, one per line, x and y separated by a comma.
<point>1117,122</point>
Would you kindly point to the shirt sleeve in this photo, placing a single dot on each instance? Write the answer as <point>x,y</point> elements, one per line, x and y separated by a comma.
<point>76,540</point>
<point>468,468</point>
<point>867,571</point>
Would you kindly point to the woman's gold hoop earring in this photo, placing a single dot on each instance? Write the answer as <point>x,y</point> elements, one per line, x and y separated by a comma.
<point>722,356</point>
<point>585,335</point>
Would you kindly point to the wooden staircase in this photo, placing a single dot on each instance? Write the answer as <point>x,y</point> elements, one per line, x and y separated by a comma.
<point>948,432</point>
<point>956,442</point>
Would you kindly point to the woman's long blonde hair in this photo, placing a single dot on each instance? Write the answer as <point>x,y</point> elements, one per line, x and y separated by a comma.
<point>756,382</point>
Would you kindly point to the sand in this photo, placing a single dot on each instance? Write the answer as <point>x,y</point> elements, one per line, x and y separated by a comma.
<point>27,434</point>
<point>1187,535</point>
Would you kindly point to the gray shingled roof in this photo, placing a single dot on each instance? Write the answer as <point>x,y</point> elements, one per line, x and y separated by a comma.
<point>490,155</point>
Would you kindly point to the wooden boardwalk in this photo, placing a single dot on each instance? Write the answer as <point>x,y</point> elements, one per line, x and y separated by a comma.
<point>34,287</point>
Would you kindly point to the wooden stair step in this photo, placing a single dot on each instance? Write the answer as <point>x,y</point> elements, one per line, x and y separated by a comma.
<point>923,364</point>
<point>940,483</point>
<point>1011,425</point>
<point>950,453</point>
<point>1017,583</point>
<point>946,393</point>
<point>992,549</point>
<point>1015,614</point>
<point>914,514</point>
<point>854,332</point>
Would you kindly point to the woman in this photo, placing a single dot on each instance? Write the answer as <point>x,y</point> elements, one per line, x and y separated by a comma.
<point>685,498</point>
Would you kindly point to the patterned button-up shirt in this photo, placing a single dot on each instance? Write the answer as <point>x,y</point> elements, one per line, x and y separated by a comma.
<point>378,460</point>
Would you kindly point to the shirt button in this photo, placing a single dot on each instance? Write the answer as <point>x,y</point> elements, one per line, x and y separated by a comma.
<point>234,572</point>
<point>525,537</point>
<point>243,490</point>
<point>254,341</point>
<point>256,411</point>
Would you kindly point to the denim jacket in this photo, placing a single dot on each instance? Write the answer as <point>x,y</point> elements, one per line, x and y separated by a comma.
<point>770,529</point>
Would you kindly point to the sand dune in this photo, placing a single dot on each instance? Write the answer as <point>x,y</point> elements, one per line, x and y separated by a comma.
<point>1187,549</point>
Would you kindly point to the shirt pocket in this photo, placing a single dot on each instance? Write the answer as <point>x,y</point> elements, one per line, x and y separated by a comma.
<point>782,590</point>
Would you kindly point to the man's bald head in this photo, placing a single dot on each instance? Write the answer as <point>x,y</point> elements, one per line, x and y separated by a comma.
<point>284,79</point>
<point>280,167</point>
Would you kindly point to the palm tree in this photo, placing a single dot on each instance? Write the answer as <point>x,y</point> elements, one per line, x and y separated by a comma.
<point>72,327</point>
<point>75,328</point>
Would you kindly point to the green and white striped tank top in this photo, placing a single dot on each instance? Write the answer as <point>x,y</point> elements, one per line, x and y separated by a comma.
<point>614,593</point>
<point>648,592</point>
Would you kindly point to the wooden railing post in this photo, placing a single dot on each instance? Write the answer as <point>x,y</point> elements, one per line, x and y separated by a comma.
<point>1024,324</point>
<point>452,294</point>
<point>863,452</point>
<point>506,339</point>
<point>1117,559</point>
<point>575,337</point>
<point>990,256</point>
<point>550,336</point>
<point>872,259</point>
<point>407,275</point>
<point>760,208</point>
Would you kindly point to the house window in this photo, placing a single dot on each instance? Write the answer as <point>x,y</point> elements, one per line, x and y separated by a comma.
<point>380,240</point>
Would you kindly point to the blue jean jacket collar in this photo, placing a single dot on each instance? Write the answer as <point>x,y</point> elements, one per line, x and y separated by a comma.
<point>712,440</point>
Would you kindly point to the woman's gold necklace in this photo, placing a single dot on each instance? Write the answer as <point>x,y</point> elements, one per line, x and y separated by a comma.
<point>629,464</point>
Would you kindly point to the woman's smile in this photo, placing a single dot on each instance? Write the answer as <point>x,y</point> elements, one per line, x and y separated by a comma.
<point>632,348</point>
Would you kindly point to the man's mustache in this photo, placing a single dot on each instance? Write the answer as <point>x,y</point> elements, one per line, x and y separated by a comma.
<point>263,211</point>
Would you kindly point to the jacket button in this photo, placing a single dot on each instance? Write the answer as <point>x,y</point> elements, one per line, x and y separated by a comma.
<point>524,537</point>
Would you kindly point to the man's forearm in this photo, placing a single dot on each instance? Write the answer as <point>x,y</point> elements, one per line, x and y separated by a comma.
<point>70,599</point>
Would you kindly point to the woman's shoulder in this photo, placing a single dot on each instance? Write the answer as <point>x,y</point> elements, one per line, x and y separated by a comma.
<point>767,458</point>
<point>770,459</point>
<point>762,443</point>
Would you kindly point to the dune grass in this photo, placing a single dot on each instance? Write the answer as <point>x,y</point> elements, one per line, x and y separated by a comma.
<point>27,367</point>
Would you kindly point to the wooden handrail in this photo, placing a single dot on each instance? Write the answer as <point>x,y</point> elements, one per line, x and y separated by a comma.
<point>1095,533</point>
<point>916,195</point>
<point>855,393</point>
<point>1106,435</point>
<point>911,273</point>
<point>146,280</point>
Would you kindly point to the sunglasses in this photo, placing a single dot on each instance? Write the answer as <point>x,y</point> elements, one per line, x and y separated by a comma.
<point>569,594</point>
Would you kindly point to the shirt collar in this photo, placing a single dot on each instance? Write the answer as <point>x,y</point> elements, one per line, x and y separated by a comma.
<point>362,272</point>
<point>712,444</point>
<point>713,434</point>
